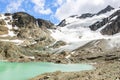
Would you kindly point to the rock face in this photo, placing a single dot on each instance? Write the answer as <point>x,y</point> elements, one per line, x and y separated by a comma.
<point>108,8</point>
<point>110,24</point>
<point>45,24</point>
<point>86,15</point>
<point>114,26</point>
<point>98,24</point>
<point>62,23</point>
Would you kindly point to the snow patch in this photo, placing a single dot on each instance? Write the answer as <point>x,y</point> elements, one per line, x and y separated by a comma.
<point>114,17</point>
<point>10,32</point>
<point>67,56</point>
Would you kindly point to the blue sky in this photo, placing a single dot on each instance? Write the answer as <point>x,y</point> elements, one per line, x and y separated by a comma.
<point>29,7</point>
<point>55,10</point>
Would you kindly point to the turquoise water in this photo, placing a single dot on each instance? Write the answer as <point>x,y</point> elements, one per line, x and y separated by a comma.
<point>25,71</point>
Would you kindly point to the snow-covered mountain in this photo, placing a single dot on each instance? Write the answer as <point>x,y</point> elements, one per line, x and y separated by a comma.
<point>75,18</point>
<point>77,30</point>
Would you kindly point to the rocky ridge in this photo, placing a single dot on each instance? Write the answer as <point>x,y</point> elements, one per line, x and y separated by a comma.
<point>85,15</point>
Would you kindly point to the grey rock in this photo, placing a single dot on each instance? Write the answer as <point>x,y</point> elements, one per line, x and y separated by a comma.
<point>45,24</point>
<point>98,24</point>
<point>86,15</point>
<point>62,23</point>
<point>107,9</point>
<point>114,26</point>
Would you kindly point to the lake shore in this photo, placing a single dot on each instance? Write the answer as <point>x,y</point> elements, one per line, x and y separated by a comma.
<point>106,63</point>
<point>104,71</point>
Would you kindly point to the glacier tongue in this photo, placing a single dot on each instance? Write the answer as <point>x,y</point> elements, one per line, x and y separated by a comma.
<point>75,37</point>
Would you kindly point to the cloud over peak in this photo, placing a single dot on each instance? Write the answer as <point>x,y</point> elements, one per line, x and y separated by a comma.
<point>39,6</point>
<point>73,7</point>
<point>14,6</point>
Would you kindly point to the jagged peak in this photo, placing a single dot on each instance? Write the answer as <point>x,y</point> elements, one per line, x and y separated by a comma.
<point>108,8</point>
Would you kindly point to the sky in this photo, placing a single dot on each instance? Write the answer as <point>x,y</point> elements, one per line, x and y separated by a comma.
<point>55,10</point>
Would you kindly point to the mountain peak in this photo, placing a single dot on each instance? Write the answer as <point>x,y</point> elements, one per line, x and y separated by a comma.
<point>108,8</point>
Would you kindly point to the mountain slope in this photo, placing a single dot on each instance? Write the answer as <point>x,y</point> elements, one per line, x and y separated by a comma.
<point>21,35</point>
<point>24,26</point>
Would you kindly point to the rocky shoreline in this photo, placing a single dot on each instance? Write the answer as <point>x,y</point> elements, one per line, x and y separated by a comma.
<point>104,71</point>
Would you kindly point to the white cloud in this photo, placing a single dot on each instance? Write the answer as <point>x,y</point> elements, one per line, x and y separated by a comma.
<point>73,7</point>
<point>97,2</point>
<point>14,6</point>
<point>40,7</point>
<point>59,3</point>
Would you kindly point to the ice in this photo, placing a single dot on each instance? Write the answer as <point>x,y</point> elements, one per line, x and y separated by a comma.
<point>71,20</point>
<point>114,41</point>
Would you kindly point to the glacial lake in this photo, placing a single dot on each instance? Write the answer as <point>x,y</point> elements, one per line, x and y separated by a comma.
<point>25,71</point>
